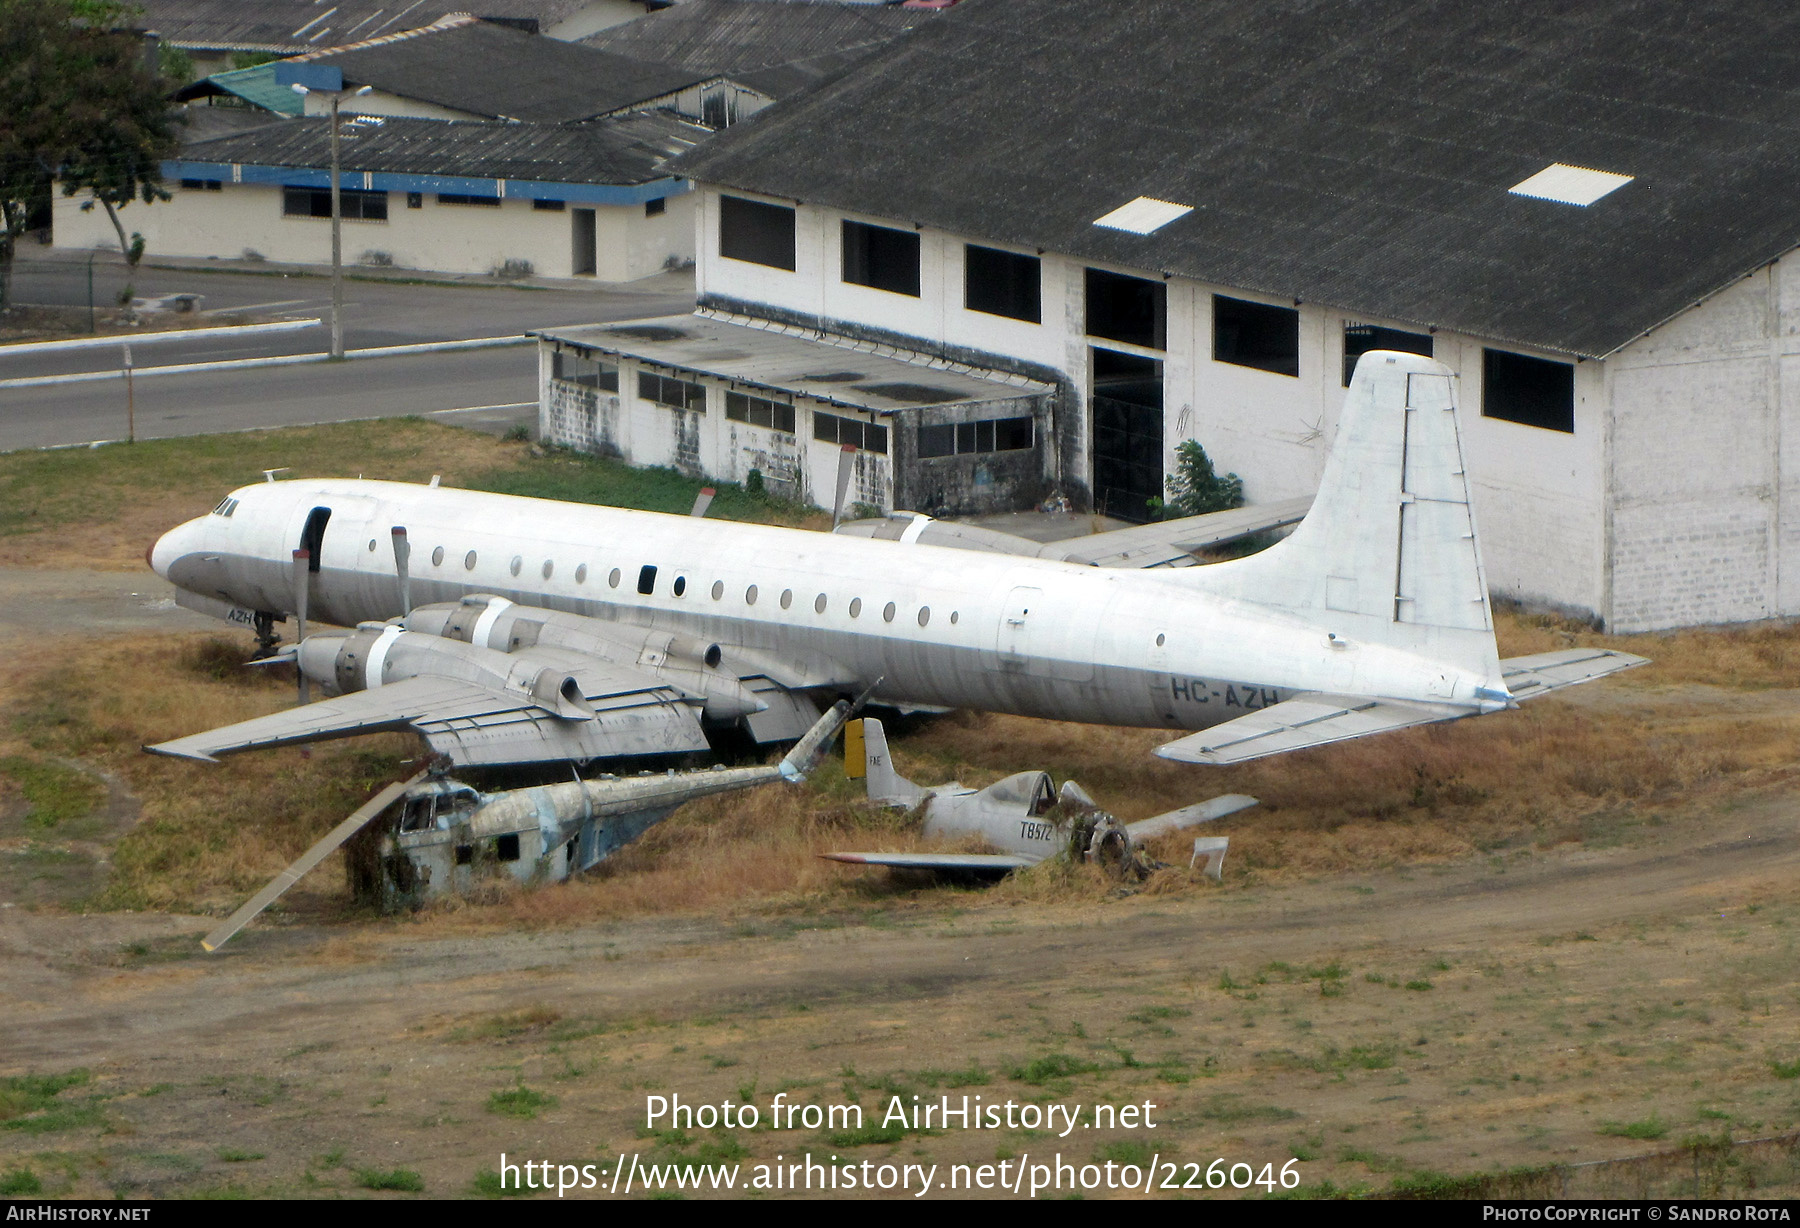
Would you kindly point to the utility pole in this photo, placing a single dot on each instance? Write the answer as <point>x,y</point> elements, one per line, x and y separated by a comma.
<point>337,243</point>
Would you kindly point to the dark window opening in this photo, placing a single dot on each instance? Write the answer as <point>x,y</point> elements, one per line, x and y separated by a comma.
<point>465,854</point>
<point>1001,283</point>
<point>202,185</point>
<point>882,258</point>
<point>579,368</point>
<point>756,232</point>
<point>468,198</point>
<point>990,435</point>
<point>354,205</point>
<point>312,537</point>
<point>1359,339</point>
<point>415,200</point>
<point>506,847</point>
<point>759,411</point>
<point>549,206</point>
<point>657,207</point>
<point>1529,391</point>
<point>858,434</point>
<point>647,579</point>
<point>675,393</point>
<point>1129,309</point>
<point>1256,335</point>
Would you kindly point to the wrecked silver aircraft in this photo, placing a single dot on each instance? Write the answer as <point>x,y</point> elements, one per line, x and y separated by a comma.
<point>1023,817</point>
<point>446,836</point>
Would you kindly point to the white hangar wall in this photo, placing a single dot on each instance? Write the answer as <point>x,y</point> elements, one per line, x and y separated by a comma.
<point>1540,494</point>
<point>435,237</point>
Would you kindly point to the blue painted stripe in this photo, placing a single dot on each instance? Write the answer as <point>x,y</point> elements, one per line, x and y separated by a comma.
<point>387,181</point>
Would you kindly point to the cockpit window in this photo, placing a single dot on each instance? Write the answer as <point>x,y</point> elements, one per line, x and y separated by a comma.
<point>226,506</point>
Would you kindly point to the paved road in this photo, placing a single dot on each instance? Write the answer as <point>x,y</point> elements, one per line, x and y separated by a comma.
<point>376,314</point>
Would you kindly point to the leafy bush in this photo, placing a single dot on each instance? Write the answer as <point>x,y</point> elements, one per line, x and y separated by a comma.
<point>1195,489</point>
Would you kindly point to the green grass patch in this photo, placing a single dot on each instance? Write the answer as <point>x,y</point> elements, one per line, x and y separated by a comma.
<point>1052,1067</point>
<point>1228,1109</point>
<point>487,1184</point>
<point>32,1104</point>
<point>403,1179</point>
<point>1786,1070</point>
<point>232,1155</point>
<point>54,794</point>
<point>1650,1127</point>
<point>20,1181</point>
<point>575,477</point>
<point>866,1136</point>
<point>1125,1151</point>
<point>521,1102</point>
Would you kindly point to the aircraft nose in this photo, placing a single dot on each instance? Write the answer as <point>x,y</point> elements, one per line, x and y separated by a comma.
<point>165,550</point>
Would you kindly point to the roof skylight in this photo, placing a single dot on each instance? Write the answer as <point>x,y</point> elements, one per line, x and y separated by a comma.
<point>1570,185</point>
<point>1143,216</point>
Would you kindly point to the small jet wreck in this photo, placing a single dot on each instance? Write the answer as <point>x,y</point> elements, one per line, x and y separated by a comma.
<point>444,836</point>
<point>1023,817</point>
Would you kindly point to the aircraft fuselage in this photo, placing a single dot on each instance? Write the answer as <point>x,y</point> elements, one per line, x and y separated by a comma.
<point>939,626</point>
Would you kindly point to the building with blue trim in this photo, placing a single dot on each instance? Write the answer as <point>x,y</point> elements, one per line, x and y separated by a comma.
<point>555,200</point>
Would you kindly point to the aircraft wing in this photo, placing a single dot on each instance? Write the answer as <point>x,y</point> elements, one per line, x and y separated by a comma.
<point>1165,543</point>
<point>1305,720</point>
<point>474,725</point>
<point>979,862</point>
<point>1172,543</point>
<point>1189,816</point>
<point>1529,677</point>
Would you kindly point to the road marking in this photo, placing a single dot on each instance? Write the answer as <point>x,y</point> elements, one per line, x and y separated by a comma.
<point>475,409</point>
<point>178,334</point>
<point>286,302</point>
<point>277,360</point>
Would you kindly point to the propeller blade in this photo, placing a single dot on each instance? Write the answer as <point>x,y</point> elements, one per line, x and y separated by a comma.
<point>403,554</point>
<point>846,463</point>
<point>702,501</point>
<point>312,857</point>
<point>302,589</point>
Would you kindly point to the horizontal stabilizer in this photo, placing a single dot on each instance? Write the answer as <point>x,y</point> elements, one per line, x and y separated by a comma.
<point>992,863</point>
<point>1188,816</point>
<point>1305,720</point>
<point>1541,673</point>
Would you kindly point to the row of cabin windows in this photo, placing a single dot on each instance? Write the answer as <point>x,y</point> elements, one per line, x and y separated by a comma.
<point>646,586</point>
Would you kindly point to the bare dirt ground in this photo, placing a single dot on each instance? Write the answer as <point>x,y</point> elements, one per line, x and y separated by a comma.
<point>1508,956</point>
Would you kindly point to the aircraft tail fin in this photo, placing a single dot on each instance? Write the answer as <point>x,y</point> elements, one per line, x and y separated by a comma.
<point>879,777</point>
<point>1388,552</point>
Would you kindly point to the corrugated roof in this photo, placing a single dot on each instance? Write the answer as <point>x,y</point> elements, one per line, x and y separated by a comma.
<point>776,46</point>
<point>497,73</point>
<point>1354,154</point>
<point>859,377</point>
<point>625,150</point>
<point>291,26</point>
<point>255,85</point>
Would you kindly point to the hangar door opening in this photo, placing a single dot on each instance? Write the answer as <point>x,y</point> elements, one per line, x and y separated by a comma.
<point>1127,433</point>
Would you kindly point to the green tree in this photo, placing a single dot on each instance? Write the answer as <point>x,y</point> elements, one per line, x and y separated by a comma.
<point>1195,489</point>
<point>80,105</point>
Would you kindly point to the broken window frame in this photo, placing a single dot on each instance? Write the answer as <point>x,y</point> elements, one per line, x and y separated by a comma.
<point>574,366</point>
<point>1112,315</point>
<point>760,411</point>
<point>1260,336</point>
<point>756,232</point>
<point>1537,392</point>
<point>834,428</point>
<point>671,391</point>
<point>997,282</point>
<point>354,204</point>
<point>1012,434</point>
<point>1380,337</point>
<point>880,257</point>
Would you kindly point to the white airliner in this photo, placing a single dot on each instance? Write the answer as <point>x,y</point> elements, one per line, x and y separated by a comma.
<point>555,630</point>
